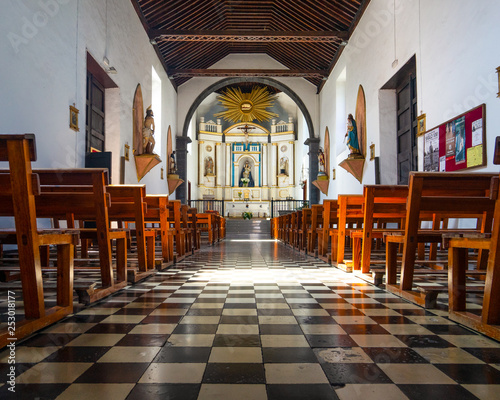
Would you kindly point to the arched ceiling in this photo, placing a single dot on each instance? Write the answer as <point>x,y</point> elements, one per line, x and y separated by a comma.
<point>305,36</point>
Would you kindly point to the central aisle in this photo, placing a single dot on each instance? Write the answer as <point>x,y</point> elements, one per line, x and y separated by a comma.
<point>255,320</point>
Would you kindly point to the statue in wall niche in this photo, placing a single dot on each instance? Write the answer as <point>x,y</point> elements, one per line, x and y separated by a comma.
<point>172,167</point>
<point>246,176</point>
<point>209,166</point>
<point>148,141</point>
<point>322,163</point>
<point>352,138</point>
<point>284,166</point>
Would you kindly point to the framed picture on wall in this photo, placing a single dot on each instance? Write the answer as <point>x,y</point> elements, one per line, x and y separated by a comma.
<point>73,118</point>
<point>421,125</point>
<point>498,73</point>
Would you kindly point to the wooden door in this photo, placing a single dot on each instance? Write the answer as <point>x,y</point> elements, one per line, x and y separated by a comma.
<point>407,127</point>
<point>95,115</point>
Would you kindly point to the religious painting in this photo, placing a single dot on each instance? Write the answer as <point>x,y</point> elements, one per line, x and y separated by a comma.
<point>284,165</point>
<point>73,118</point>
<point>421,125</point>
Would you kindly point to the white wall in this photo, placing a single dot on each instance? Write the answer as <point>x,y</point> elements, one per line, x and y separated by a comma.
<point>456,48</point>
<point>43,46</point>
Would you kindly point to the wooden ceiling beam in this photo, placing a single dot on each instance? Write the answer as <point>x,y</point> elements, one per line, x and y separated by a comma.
<point>246,36</point>
<point>191,73</point>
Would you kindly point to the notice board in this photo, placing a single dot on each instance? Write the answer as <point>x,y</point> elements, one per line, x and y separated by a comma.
<point>457,144</point>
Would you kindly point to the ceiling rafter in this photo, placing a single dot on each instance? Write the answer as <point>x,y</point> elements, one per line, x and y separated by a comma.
<point>302,35</point>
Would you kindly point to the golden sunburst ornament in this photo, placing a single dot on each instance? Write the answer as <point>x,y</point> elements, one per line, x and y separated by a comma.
<point>246,107</point>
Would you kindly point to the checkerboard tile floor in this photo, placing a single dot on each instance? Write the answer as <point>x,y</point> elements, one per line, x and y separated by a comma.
<point>255,320</point>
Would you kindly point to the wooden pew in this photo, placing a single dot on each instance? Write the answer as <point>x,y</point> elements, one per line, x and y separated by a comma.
<point>81,194</point>
<point>174,218</point>
<point>303,229</point>
<point>205,223</point>
<point>186,228</point>
<point>157,213</point>
<point>17,198</point>
<point>193,226</point>
<point>312,230</point>
<point>330,221</point>
<point>382,204</point>
<point>488,322</point>
<point>128,204</point>
<point>449,195</point>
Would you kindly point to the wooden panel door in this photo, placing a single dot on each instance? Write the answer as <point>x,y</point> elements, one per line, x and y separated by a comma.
<point>95,115</point>
<point>407,127</point>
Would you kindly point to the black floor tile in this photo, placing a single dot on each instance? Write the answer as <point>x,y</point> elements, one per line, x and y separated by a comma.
<point>190,329</point>
<point>280,329</point>
<point>239,319</point>
<point>164,391</point>
<point>394,355</point>
<point>236,341</point>
<point>50,339</point>
<point>392,320</point>
<point>316,320</point>
<point>77,354</point>
<point>204,312</point>
<point>488,355</point>
<point>301,392</point>
<point>436,392</point>
<point>162,319</point>
<point>113,373</point>
<point>274,312</point>
<point>330,341</point>
<point>448,330</point>
<point>471,373</point>
<point>339,373</point>
<point>234,373</point>
<point>33,391</point>
<point>155,340</point>
<point>288,355</point>
<point>424,341</point>
<point>111,328</point>
<point>361,329</point>
<point>183,355</point>
<point>345,312</point>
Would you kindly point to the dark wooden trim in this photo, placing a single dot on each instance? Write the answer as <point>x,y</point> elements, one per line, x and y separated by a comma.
<point>246,36</point>
<point>301,73</point>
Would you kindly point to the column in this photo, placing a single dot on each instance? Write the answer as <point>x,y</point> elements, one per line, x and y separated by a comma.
<point>273,165</point>
<point>181,143</point>
<point>217,162</point>
<point>264,164</point>
<point>292,163</point>
<point>313,144</point>
<point>228,164</point>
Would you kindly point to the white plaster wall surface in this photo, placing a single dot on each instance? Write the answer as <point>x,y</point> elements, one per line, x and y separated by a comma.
<point>43,47</point>
<point>455,43</point>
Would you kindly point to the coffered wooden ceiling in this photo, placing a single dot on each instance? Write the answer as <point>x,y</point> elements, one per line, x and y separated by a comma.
<point>306,36</point>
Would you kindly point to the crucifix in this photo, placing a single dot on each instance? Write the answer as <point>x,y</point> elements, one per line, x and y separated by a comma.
<point>245,130</point>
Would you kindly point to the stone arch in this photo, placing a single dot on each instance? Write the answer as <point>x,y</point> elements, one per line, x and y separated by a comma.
<point>265,81</point>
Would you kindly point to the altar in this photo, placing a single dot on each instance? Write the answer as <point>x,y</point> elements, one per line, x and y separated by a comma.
<point>258,209</point>
<point>247,163</point>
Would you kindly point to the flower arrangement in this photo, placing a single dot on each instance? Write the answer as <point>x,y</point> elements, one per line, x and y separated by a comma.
<point>245,181</point>
<point>247,215</point>
<point>303,183</point>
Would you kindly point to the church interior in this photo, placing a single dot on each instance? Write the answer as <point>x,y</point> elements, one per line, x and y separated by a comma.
<point>265,200</point>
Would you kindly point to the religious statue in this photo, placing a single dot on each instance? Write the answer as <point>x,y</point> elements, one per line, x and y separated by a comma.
<point>352,137</point>
<point>322,162</point>
<point>284,166</point>
<point>209,166</point>
<point>246,176</point>
<point>148,141</point>
<point>172,167</point>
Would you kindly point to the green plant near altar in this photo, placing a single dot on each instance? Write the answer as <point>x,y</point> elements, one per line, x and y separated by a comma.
<point>247,215</point>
